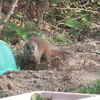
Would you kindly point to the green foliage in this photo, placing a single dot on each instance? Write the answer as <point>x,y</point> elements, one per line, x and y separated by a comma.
<point>1,93</point>
<point>71,22</point>
<point>17,15</point>
<point>77,16</point>
<point>96,35</point>
<point>91,88</point>
<point>29,25</point>
<point>37,96</point>
<point>74,32</point>
<point>12,28</point>
<point>62,38</point>
<point>25,33</point>
<point>73,18</point>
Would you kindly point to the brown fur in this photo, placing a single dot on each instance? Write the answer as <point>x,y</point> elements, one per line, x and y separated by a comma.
<point>58,52</point>
<point>37,48</point>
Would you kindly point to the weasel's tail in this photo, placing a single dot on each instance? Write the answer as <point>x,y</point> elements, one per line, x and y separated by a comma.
<point>58,52</point>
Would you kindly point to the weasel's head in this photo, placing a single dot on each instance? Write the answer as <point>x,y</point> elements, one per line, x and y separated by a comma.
<point>31,46</point>
<point>30,49</point>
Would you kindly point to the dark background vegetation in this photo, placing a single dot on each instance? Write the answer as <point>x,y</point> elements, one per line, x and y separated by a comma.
<point>62,21</point>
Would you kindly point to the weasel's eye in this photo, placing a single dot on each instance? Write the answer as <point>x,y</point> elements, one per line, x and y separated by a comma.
<point>32,47</point>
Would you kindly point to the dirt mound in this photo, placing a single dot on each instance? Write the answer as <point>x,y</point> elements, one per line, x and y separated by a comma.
<point>67,73</point>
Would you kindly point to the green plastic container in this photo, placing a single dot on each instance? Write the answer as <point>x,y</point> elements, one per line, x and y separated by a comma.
<point>7,61</point>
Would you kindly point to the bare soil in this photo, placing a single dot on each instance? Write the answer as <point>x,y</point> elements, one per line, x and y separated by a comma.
<point>67,73</point>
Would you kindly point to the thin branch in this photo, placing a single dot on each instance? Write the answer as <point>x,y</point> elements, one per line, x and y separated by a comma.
<point>80,5</point>
<point>0,6</point>
<point>42,12</point>
<point>78,9</point>
<point>28,3</point>
<point>6,18</point>
<point>53,26</point>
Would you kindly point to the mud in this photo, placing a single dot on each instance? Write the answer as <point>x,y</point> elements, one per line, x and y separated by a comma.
<point>67,73</point>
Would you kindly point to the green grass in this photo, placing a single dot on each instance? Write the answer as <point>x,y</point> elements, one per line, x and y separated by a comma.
<point>90,88</point>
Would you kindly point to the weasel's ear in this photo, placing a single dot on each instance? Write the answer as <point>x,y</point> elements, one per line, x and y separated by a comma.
<point>33,45</point>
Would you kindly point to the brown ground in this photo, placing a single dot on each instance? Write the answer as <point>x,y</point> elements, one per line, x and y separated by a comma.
<point>67,73</point>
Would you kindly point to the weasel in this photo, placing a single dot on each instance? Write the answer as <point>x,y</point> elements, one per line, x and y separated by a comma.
<point>37,48</point>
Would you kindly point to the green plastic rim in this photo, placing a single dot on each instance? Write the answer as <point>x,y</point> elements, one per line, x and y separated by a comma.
<point>18,68</point>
